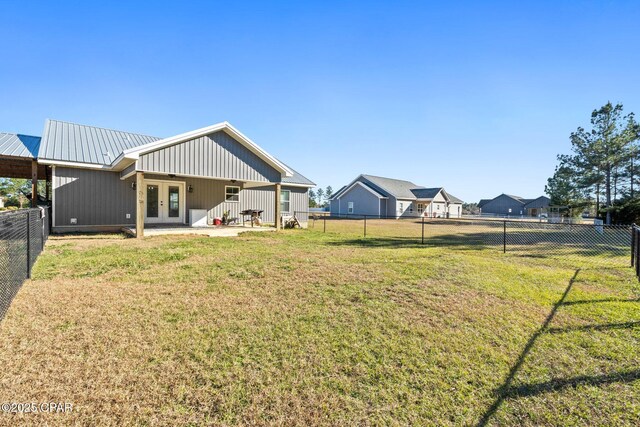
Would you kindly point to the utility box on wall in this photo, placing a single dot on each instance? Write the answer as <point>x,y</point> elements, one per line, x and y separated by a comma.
<point>197,217</point>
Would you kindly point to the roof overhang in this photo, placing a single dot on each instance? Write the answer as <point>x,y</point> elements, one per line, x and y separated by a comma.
<point>135,153</point>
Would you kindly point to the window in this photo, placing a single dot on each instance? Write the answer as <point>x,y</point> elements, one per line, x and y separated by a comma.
<point>350,207</point>
<point>410,207</point>
<point>420,207</point>
<point>285,201</point>
<point>231,193</point>
<point>437,207</point>
<point>400,207</point>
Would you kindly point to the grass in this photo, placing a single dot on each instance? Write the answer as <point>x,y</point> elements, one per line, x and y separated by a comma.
<point>307,328</point>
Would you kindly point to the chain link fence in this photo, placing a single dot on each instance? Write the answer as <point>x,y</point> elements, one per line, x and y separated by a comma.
<point>23,234</point>
<point>608,244</point>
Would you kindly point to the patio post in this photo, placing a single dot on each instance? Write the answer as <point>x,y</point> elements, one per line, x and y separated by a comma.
<point>139,205</point>
<point>278,220</point>
<point>34,184</point>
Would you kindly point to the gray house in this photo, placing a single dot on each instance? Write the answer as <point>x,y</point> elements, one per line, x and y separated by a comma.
<point>509,205</point>
<point>395,198</point>
<point>103,179</point>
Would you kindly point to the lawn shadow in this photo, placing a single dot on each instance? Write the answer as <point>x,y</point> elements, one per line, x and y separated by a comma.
<point>542,247</point>
<point>507,390</point>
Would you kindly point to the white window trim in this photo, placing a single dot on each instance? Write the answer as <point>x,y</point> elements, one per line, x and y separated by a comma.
<point>350,207</point>
<point>226,193</point>
<point>282,201</point>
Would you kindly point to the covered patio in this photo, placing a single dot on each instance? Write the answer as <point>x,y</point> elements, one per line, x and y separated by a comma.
<point>18,159</point>
<point>219,231</point>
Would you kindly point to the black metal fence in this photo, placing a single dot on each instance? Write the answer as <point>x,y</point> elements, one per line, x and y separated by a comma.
<point>23,234</point>
<point>635,249</point>
<point>610,244</point>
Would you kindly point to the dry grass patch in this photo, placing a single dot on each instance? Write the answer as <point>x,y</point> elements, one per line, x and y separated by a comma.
<point>308,328</point>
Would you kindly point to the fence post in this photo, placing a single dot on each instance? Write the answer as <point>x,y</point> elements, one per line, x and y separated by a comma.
<point>324,229</point>
<point>423,230</point>
<point>42,237</point>
<point>504,238</point>
<point>633,244</point>
<point>636,231</point>
<point>365,225</point>
<point>28,245</point>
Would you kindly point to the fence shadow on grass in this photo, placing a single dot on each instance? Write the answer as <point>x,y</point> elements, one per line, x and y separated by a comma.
<point>541,248</point>
<point>507,390</point>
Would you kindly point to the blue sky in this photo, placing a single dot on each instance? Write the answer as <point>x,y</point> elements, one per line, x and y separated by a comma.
<point>478,97</point>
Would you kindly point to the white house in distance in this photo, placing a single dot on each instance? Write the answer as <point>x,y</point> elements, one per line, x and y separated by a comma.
<point>393,198</point>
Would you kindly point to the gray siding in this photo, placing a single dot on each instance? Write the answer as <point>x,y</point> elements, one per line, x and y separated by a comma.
<point>364,202</point>
<point>217,156</point>
<point>93,197</point>
<point>501,204</point>
<point>129,169</point>
<point>100,198</point>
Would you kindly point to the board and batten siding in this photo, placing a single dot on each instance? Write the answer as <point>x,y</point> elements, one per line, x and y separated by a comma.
<point>93,197</point>
<point>217,155</point>
<point>209,194</point>
<point>101,199</point>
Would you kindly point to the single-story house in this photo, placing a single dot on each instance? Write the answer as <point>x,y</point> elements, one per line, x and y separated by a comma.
<point>393,198</point>
<point>509,205</point>
<point>103,179</point>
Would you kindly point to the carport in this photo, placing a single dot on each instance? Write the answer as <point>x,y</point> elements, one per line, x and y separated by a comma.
<point>19,159</point>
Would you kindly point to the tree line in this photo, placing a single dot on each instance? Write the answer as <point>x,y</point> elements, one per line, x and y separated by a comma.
<point>319,198</point>
<point>602,172</point>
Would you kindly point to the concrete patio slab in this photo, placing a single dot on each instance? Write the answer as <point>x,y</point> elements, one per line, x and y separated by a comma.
<point>231,231</point>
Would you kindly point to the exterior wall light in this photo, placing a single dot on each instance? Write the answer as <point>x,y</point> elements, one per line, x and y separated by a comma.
<point>190,188</point>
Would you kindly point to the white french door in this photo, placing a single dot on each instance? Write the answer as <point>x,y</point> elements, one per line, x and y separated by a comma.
<point>164,202</point>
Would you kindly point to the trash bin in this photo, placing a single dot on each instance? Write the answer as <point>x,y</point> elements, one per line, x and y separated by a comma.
<point>217,221</point>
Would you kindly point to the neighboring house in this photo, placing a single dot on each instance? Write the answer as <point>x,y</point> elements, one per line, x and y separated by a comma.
<point>105,179</point>
<point>509,205</point>
<point>395,198</point>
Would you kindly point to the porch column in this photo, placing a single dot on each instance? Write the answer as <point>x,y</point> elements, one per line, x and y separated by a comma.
<point>139,205</point>
<point>277,206</point>
<point>34,184</point>
<point>47,184</point>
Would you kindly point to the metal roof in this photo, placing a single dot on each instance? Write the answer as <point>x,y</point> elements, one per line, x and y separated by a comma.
<point>72,142</point>
<point>296,178</point>
<point>17,145</point>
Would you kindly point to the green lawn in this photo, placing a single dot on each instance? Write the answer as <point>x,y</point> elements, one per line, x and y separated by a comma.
<point>307,328</point>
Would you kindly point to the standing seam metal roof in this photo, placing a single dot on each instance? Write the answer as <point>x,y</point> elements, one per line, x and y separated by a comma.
<point>72,142</point>
<point>17,145</point>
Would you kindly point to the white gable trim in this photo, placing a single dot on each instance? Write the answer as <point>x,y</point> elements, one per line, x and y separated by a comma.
<point>375,193</point>
<point>134,153</point>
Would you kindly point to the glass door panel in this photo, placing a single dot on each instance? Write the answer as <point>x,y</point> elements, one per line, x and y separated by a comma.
<point>174,201</point>
<point>152,201</point>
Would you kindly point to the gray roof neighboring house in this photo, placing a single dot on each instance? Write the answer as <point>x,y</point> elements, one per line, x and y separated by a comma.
<point>525,202</point>
<point>426,193</point>
<point>400,189</point>
<point>397,188</point>
<point>453,198</point>
<point>17,145</point>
